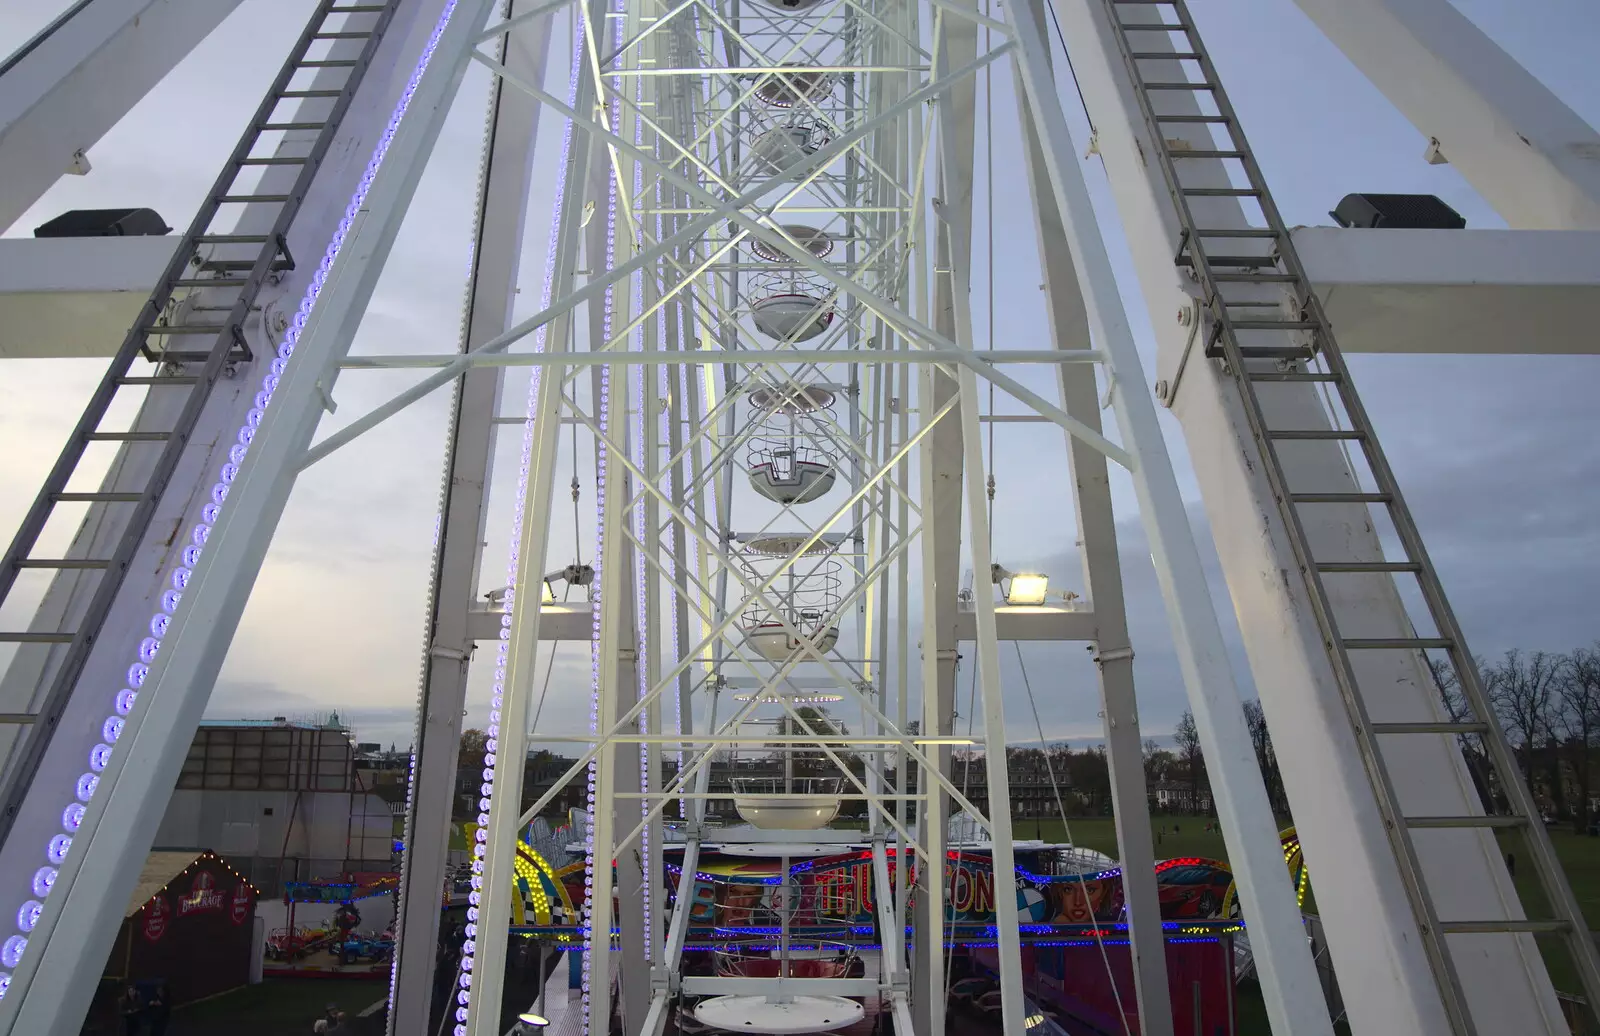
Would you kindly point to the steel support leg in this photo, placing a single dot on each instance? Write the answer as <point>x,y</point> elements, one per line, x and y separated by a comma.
<point>1288,977</point>
<point>80,918</point>
<point>504,189</point>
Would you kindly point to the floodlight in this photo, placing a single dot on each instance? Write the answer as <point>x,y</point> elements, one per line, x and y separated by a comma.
<point>1027,588</point>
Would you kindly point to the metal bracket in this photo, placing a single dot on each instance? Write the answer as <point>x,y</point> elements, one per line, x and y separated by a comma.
<point>1114,655</point>
<point>1193,318</point>
<point>438,650</point>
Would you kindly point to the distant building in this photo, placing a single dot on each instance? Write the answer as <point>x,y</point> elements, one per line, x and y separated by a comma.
<point>279,801</point>
<point>1178,797</point>
<point>540,772</point>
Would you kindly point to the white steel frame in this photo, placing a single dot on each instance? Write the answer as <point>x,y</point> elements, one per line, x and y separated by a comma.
<point>691,267</point>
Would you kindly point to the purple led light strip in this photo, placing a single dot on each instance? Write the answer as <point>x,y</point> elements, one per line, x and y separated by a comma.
<point>497,695</point>
<point>56,850</point>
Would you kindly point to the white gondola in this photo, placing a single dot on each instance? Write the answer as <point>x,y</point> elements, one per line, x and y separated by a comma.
<point>787,462</point>
<point>787,1017</point>
<point>818,242</point>
<point>785,150</point>
<point>807,803</point>
<point>794,89</point>
<point>792,317</point>
<point>775,643</point>
<point>793,5</point>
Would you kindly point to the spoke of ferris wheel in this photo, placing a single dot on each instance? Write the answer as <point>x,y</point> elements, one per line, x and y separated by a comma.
<point>758,596</point>
<point>670,794</point>
<point>910,328</point>
<point>798,656</point>
<point>797,389</point>
<point>722,450</point>
<point>823,157</point>
<point>689,150</point>
<point>708,544</point>
<point>502,27</point>
<point>718,313</point>
<point>624,724</point>
<point>597,286</point>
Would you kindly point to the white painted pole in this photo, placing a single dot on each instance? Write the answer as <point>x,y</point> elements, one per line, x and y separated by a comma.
<point>1289,982</point>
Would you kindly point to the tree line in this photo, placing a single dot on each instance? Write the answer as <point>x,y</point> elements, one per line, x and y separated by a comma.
<point>1547,703</point>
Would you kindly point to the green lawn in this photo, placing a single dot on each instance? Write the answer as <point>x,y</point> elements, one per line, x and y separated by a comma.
<point>276,1007</point>
<point>1187,836</point>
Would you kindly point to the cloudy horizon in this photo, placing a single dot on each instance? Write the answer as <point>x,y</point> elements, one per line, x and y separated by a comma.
<point>1490,450</point>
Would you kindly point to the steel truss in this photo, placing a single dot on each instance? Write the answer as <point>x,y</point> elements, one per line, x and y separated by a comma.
<point>701,135</point>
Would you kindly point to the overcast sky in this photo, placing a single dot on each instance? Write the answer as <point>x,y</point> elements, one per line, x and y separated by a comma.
<point>1496,453</point>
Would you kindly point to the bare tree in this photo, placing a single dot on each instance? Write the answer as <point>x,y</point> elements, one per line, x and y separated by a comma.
<point>1157,761</point>
<point>1578,685</point>
<point>1187,735</point>
<point>1255,720</point>
<point>1522,688</point>
<point>1458,710</point>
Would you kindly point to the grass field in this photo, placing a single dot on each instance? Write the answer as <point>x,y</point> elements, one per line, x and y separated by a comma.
<point>1187,836</point>
<point>277,1007</point>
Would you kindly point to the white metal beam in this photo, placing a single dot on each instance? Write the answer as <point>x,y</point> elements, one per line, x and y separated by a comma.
<point>1375,949</point>
<point>1288,977</point>
<point>502,212</point>
<point>67,87</point>
<point>90,897</point>
<point>1526,153</point>
<point>1468,292</point>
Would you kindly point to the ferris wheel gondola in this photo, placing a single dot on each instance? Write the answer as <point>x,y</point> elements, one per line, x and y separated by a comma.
<point>791,459</point>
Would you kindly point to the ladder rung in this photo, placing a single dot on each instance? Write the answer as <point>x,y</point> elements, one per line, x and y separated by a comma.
<point>1492,927</point>
<point>232,239</point>
<point>1156,55</point>
<point>157,379</point>
<point>1274,325</point>
<point>1221,192</point>
<point>341,35</point>
<point>186,329</point>
<point>97,498</point>
<point>1340,498</point>
<point>36,638</point>
<point>1397,643</point>
<point>1293,376</point>
<point>245,199</point>
<point>128,436</point>
<point>54,563</point>
<point>1335,434</point>
<point>356,9</point>
<point>265,126</point>
<point>1250,278</point>
<point>19,718</point>
<point>345,63</point>
<point>230,264</point>
<point>1197,87</point>
<point>310,93</point>
<point>1368,566</point>
<point>1434,823</point>
<point>1430,728</point>
<point>208,282</point>
<point>275,160</point>
<point>1265,352</point>
<point>1239,232</point>
<point>1256,261</point>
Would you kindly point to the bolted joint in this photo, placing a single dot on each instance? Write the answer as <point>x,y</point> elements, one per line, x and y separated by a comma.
<point>1114,655</point>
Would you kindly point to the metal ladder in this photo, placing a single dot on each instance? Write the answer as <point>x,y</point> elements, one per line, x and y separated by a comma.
<point>217,346</point>
<point>1238,311</point>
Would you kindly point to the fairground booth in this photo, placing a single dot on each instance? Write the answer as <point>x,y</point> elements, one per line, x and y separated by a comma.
<point>189,925</point>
